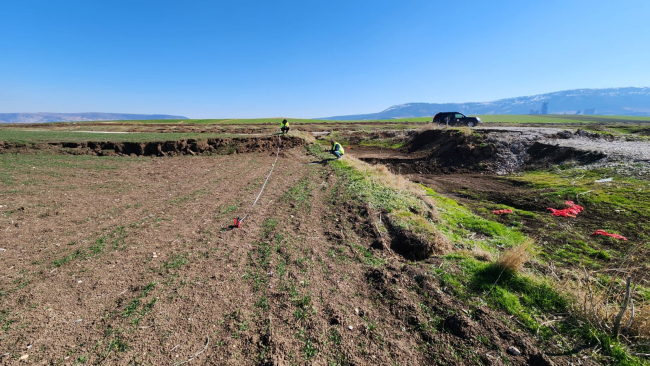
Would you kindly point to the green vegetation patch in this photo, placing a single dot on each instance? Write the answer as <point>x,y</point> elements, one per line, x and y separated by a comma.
<point>517,294</point>
<point>174,262</point>
<point>384,143</point>
<point>378,195</point>
<point>191,196</point>
<point>300,194</point>
<point>135,310</point>
<point>115,238</point>
<point>621,206</point>
<point>39,136</point>
<point>417,224</point>
<point>464,228</point>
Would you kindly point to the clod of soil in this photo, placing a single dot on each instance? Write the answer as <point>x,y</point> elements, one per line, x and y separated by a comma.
<point>416,243</point>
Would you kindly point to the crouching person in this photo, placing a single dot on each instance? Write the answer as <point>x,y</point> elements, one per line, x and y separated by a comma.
<point>284,126</point>
<point>337,149</point>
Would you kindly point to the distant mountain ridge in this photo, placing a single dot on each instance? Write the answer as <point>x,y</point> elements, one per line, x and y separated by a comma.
<point>630,101</point>
<point>42,117</point>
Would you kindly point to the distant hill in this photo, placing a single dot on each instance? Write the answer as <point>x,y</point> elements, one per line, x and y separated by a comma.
<point>76,117</point>
<point>611,101</point>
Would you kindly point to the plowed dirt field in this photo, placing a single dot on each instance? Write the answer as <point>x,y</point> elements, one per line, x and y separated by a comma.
<point>132,260</point>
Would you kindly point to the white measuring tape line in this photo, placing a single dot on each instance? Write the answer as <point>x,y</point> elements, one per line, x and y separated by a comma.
<point>277,154</point>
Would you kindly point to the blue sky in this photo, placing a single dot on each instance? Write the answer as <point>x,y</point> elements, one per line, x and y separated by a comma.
<point>238,59</point>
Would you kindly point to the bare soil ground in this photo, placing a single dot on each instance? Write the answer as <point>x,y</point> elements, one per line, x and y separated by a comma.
<point>131,260</point>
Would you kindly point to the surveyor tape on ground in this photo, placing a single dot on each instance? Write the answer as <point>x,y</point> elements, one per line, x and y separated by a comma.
<point>238,221</point>
<point>571,211</point>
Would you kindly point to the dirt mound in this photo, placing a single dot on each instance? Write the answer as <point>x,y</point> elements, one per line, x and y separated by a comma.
<point>442,151</point>
<point>218,146</point>
<point>540,154</point>
<point>437,140</point>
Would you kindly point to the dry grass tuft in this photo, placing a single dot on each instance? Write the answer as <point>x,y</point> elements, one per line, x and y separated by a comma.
<point>477,253</point>
<point>481,254</point>
<point>308,137</point>
<point>513,259</point>
<point>382,174</point>
<point>599,304</point>
<point>432,126</point>
<point>641,325</point>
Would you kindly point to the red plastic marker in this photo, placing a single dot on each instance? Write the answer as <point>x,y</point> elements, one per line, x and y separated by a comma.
<point>237,223</point>
<point>603,232</point>
<point>572,211</point>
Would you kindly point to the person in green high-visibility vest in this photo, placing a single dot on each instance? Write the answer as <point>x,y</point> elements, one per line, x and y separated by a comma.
<point>284,126</point>
<point>337,149</point>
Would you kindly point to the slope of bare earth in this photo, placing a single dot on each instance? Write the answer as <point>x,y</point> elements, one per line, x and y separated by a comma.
<point>127,260</point>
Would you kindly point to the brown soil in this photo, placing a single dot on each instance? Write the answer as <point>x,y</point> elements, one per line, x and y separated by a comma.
<point>220,146</point>
<point>295,285</point>
<point>479,183</point>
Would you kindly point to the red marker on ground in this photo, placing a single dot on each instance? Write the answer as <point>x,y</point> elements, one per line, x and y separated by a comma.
<point>572,211</point>
<point>603,232</point>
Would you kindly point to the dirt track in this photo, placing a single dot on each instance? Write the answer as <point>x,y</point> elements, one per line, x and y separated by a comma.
<point>299,283</point>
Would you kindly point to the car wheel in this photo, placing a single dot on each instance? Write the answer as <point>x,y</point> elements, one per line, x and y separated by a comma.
<point>470,124</point>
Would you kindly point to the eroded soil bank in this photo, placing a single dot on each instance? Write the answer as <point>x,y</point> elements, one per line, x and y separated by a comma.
<point>217,146</point>
<point>442,151</point>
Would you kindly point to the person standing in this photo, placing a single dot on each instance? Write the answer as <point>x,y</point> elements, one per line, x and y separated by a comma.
<point>284,126</point>
<point>337,149</point>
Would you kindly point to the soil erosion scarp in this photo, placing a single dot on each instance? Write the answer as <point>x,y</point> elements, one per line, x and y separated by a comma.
<point>218,146</point>
<point>452,151</point>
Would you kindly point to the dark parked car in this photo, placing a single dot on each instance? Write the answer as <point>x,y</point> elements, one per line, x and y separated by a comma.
<point>455,119</point>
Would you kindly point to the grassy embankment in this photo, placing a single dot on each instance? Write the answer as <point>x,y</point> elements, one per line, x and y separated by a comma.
<point>484,267</point>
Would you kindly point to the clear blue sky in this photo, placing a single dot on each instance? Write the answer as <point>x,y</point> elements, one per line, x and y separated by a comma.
<point>236,59</point>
